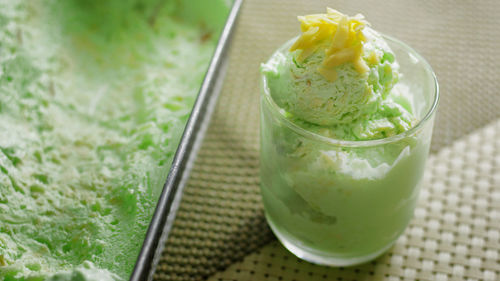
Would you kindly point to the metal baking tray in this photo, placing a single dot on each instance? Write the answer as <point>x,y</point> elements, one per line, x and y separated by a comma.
<point>169,200</point>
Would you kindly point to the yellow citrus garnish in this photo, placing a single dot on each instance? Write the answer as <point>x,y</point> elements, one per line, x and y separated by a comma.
<point>346,40</point>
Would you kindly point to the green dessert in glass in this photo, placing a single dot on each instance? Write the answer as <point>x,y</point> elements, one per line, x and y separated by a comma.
<point>346,124</point>
<point>94,97</point>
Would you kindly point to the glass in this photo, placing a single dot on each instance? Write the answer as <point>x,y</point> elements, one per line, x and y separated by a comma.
<point>342,203</point>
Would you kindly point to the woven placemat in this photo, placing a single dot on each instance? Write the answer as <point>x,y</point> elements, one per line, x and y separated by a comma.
<point>455,234</point>
<point>220,219</point>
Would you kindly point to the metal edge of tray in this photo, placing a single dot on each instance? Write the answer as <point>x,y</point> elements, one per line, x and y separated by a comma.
<point>170,197</point>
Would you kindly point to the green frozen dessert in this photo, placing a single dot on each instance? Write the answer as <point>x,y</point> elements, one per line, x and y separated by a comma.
<point>346,121</point>
<point>94,97</point>
<point>347,89</point>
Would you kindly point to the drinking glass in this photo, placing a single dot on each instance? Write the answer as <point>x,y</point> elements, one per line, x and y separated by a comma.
<point>340,203</point>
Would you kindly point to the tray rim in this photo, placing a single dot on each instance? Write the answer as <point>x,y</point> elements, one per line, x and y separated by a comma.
<point>170,196</point>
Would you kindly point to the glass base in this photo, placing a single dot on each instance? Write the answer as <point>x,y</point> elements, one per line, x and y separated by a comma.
<point>322,258</point>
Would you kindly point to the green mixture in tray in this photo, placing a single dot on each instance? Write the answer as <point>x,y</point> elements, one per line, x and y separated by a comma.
<point>94,97</point>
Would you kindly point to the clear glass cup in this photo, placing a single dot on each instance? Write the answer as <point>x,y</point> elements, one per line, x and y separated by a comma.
<point>341,203</point>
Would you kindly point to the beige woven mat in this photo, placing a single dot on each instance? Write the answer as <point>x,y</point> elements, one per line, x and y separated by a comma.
<point>220,219</point>
<point>455,234</point>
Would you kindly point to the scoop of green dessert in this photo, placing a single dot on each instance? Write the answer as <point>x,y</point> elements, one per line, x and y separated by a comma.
<point>94,97</point>
<point>339,82</point>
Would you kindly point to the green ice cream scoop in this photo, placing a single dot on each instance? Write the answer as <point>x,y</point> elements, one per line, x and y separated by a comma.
<point>347,89</point>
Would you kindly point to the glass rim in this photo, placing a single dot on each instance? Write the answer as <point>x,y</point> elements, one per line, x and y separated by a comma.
<point>277,111</point>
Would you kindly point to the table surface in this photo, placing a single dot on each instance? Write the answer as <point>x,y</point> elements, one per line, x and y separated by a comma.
<point>220,232</point>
